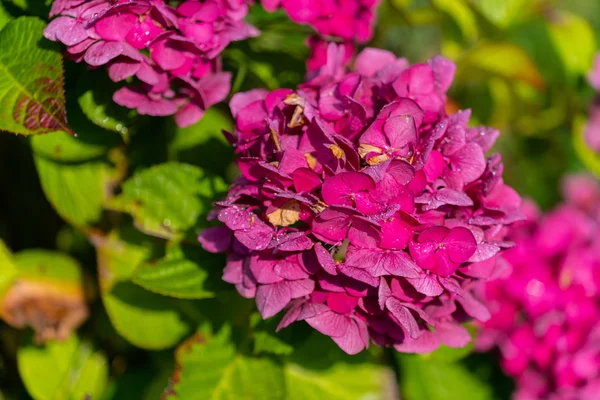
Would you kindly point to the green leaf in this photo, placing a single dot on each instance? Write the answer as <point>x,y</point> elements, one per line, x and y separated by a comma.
<point>320,370</point>
<point>503,13</point>
<point>8,269</point>
<point>143,318</point>
<point>48,266</point>
<point>5,17</point>
<point>91,141</point>
<point>203,144</point>
<point>168,198</point>
<point>182,274</point>
<point>95,100</point>
<point>40,8</point>
<point>460,12</point>
<point>76,191</point>
<point>210,368</point>
<point>31,80</point>
<point>69,370</point>
<point>574,40</point>
<point>501,59</point>
<point>425,379</point>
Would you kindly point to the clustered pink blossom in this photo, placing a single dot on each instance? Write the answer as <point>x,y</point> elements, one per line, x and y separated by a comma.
<point>545,314</point>
<point>345,19</point>
<point>362,208</point>
<point>592,129</point>
<point>172,51</point>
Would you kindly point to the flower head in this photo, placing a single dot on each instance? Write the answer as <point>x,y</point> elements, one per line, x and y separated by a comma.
<point>363,209</point>
<point>348,20</point>
<point>545,313</point>
<point>173,52</point>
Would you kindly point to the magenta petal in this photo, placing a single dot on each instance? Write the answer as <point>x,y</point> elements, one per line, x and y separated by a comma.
<point>232,272</point>
<point>468,163</point>
<point>426,284</point>
<point>258,237</point>
<point>400,131</point>
<point>216,240</point>
<point>354,340</point>
<point>460,244</point>
<point>443,72</point>
<point>236,218</point>
<point>340,189</point>
<point>452,334</point>
<point>270,299</point>
<point>189,115</point>
<point>331,225</point>
<point>341,302</point>
<point>102,52</point>
<point>473,307</point>
<point>330,323</point>
<point>301,287</point>
<point>371,60</point>
<point>263,270</point>
<point>404,317</point>
<point>122,69</point>
<point>116,26</point>
<point>359,274</point>
<point>243,99</point>
<point>426,343</point>
<point>305,180</point>
<point>325,259</point>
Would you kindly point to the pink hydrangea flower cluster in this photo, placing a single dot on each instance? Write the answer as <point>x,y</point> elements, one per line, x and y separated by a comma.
<point>362,208</point>
<point>545,313</point>
<point>172,51</point>
<point>345,19</point>
<point>592,130</point>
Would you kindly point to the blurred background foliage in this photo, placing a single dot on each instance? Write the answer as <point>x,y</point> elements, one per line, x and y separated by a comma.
<point>521,69</point>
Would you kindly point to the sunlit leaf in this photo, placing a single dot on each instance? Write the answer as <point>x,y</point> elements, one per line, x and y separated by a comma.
<point>8,270</point>
<point>182,274</point>
<point>168,198</point>
<point>145,319</point>
<point>69,370</point>
<point>209,367</point>
<point>501,59</point>
<point>505,12</point>
<point>31,80</point>
<point>320,370</point>
<point>574,40</point>
<point>426,379</point>
<point>76,191</point>
<point>460,12</point>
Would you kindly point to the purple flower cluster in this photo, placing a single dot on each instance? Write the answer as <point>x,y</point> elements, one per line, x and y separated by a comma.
<point>362,208</point>
<point>592,130</point>
<point>345,19</point>
<point>545,312</point>
<point>172,51</point>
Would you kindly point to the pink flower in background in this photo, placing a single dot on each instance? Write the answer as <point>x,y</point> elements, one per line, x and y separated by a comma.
<point>592,129</point>
<point>173,52</point>
<point>545,313</point>
<point>362,208</point>
<point>345,19</point>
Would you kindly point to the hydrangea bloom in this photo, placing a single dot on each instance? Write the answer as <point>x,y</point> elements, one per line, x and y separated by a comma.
<point>592,130</point>
<point>363,209</point>
<point>172,51</point>
<point>545,313</point>
<point>346,19</point>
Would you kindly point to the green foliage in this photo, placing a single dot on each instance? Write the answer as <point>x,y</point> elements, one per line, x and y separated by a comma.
<point>8,269</point>
<point>31,83</point>
<point>424,378</point>
<point>209,367</point>
<point>69,370</point>
<point>183,273</point>
<point>320,370</point>
<point>167,199</point>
